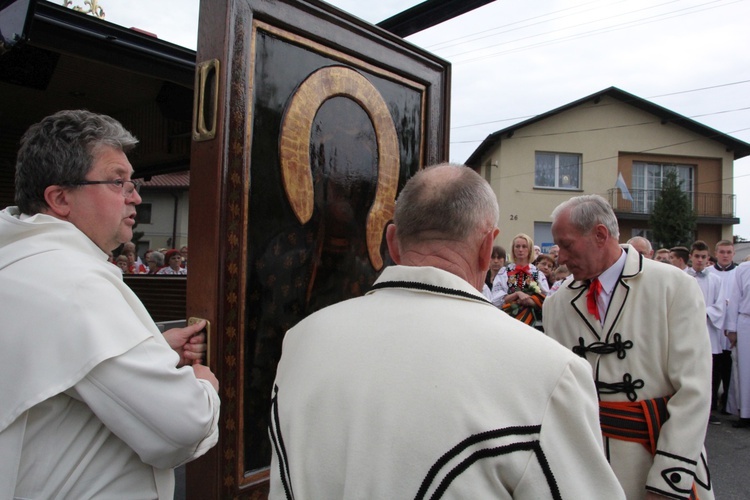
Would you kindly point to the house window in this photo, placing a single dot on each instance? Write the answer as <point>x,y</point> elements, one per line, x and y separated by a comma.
<point>140,248</point>
<point>644,233</point>
<point>557,170</point>
<point>648,179</point>
<point>543,235</point>
<point>143,213</point>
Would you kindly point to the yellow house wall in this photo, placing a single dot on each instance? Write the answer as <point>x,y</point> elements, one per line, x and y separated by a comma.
<point>601,133</point>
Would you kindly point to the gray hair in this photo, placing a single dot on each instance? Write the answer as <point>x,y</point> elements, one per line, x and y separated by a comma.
<point>640,239</point>
<point>158,258</point>
<point>450,200</point>
<point>60,150</point>
<point>587,211</point>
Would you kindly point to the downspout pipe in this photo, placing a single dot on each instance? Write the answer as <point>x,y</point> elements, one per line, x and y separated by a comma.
<point>174,218</point>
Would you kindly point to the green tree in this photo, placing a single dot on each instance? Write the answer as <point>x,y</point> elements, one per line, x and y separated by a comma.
<point>673,217</point>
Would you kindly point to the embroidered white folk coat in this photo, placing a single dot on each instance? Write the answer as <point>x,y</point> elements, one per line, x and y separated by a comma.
<point>424,389</point>
<point>661,310</point>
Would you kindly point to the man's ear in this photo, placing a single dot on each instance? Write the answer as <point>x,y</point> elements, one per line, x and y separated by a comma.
<point>601,234</point>
<point>57,201</point>
<point>485,249</point>
<point>390,238</point>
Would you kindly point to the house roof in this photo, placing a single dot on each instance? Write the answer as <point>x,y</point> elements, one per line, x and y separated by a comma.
<point>427,14</point>
<point>69,60</point>
<point>740,148</point>
<point>175,180</point>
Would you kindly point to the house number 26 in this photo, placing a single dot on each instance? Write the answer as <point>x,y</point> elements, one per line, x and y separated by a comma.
<point>513,217</point>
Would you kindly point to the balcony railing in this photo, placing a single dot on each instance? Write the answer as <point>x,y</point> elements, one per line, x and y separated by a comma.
<point>705,204</point>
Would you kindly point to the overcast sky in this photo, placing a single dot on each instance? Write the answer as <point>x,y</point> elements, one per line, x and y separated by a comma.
<point>515,59</point>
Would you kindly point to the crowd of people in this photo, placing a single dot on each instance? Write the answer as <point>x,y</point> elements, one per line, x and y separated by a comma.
<point>520,284</point>
<point>162,261</point>
<point>433,384</point>
<point>638,326</point>
<point>520,287</point>
<point>422,388</point>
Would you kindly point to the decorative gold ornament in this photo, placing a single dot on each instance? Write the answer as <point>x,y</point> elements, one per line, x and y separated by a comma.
<point>294,147</point>
<point>94,8</point>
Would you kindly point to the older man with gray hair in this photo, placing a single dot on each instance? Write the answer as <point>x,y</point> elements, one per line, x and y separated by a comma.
<point>642,246</point>
<point>422,388</point>
<point>642,327</point>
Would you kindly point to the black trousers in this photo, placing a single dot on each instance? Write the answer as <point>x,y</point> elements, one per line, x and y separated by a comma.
<point>721,375</point>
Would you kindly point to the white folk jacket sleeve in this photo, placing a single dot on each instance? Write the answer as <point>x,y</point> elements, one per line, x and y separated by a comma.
<point>570,433</point>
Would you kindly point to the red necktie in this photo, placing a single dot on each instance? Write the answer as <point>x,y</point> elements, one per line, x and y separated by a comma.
<point>594,288</point>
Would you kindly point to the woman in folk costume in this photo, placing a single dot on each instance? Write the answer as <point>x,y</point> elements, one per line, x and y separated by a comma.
<point>521,289</point>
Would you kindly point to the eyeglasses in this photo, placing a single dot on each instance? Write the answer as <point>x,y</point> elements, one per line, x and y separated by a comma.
<point>127,187</point>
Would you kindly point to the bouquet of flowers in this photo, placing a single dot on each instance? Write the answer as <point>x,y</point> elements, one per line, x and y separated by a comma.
<point>524,282</point>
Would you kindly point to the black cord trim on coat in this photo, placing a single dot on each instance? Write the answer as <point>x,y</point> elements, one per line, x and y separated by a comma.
<point>677,457</point>
<point>627,386</point>
<point>667,473</point>
<point>640,265</point>
<point>496,452</point>
<point>621,283</point>
<point>617,346</point>
<point>707,484</point>
<point>466,443</point>
<point>606,450</point>
<point>691,473</point>
<point>278,444</point>
<point>414,285</point>
<point>580,313</point>
<point>583,286</point>
<point>667,494</point>
<point>544,463</point>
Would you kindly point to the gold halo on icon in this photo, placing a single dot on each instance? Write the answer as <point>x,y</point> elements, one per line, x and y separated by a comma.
<point>294,147</point>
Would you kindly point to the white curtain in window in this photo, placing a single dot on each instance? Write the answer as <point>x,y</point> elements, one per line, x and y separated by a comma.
<point>569,171</point>
<point>544,173</point>
<point>647,182</point>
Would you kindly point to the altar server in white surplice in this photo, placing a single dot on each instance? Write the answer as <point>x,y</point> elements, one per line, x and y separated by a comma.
<point>724,269</point>
<point>738,325</point>
<point>713,295</point>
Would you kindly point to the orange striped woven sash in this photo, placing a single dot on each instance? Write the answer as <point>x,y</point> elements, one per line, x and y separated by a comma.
<point>636,421</point>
